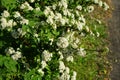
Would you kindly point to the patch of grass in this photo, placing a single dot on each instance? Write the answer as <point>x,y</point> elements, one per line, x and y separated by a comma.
<point>94,66</point>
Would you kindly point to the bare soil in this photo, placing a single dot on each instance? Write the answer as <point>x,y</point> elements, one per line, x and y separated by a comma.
<point>114,38</point>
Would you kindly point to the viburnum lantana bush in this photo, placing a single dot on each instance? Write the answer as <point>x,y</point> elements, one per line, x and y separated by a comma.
<point>39,37</point>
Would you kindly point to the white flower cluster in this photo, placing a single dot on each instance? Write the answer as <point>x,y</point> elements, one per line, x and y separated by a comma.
<point>23,20</point>
<point>17,33</point>
<point>43,65</point>
<point>65,75</point>
<point>81,52</point>
<point>41,71</point>
<point>5,14</point>
<point>61,55</point>
<point>6,23</point>
<point>32,1</point>
<point>102,4</point>
<point>46,55</point>
<point>74,40</point>
<point>70,59</point>
<point>105,5</point>
<point>79,7</point>
<point>74,75</point>
<point>15,55</point>
<point>62,42</point>
<point>54,18</point>
<point>63,4</point>
<point>80,23</point>
<point>26,6</point>
<point>66,72</point>
<point>90,9</point>
<point>61,66</point>
<point>9,50</point>
<point>65,17</point>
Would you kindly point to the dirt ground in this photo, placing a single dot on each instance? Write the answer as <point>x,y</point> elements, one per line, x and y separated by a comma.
<point>114,38</point>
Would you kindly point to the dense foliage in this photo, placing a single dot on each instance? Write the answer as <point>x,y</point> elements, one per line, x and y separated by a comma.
<point>52,40</point>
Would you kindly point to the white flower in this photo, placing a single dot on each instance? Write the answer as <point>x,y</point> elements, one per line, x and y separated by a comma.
<point>16,55</point>
<point>62,42</point>
<point>26,5</point>
<point>41,71</point>
<point>10,50</point>
<point>54,6</point>
<point>87,29</point>
<point>3,23</point>
<point>47,10</point>
<point>64,76</point>
<point>58,16</point>
<point>67,70</point>
<point>98,34</point>
<point>61,66</point>
<point>98,21</point>
<point>70,59</point>
<point>15,34</point>
<point>36,35</point>
<point>66,12</point>
<point>75,41</point>
<point>90,8</point>
<point>96,1</point>
<point>22,6</point>
<point>61,55</point>
<point>51,41</point>
<point>46,55</point>
<point>24,21</point>
<point>14,23</point>
<point>17,14</point>
<point>62,22</point>
<point>73,21</point>
<point>100,3</point>
<point>81,52</point>
<point>74,75</point>
<point>32,1</point>
<point>82,19</point>
<point>77,13</point>
<point>79,7</point>
<point>10,23</point>
<point>50,20</point>
<point>79,25</point>
<point>72,16</point>
<point>63,3</point>
<point>5,13</point>
<point>106,6</point>
<point>68,77</point>
<point>44,64</point>
<point>20,31</point>
<point>37,9</point>
<point>30,8</point>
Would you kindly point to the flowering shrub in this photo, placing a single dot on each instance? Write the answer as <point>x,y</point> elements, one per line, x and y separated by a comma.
<point>50,40</point>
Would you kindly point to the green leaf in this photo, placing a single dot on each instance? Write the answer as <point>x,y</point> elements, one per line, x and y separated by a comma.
<point>24,27</point>
<point>9,4</point>
<point>10,64</point>
<point>1,60</point>
<point>32,75</point>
